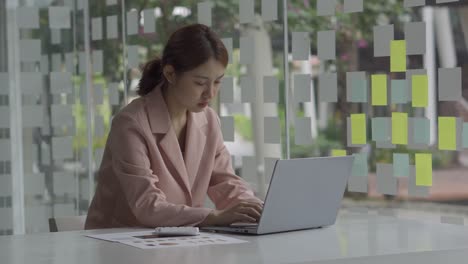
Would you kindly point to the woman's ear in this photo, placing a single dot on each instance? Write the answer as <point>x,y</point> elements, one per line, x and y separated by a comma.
<point>169,73</point>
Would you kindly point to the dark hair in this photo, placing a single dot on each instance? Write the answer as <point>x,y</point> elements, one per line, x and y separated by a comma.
<point>186,49</point>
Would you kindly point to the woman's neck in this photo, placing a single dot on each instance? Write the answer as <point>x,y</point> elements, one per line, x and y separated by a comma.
<point>177,113</point>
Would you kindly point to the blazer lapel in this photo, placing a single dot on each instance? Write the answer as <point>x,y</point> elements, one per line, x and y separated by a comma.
<point>160,123</point>
<point>170,147</point>
<point>194,143</point>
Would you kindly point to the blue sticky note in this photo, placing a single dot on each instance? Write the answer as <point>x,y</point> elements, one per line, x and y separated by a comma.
<point>360,167</point>
<point>399,91</point>
<point>359,90</point>
<point>465,135</point>
<point>380,129</point>
<point>400,165</point>
<point>421,131</point>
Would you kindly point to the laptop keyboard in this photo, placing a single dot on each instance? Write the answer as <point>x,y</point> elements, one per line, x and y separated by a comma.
<point>244,225</point>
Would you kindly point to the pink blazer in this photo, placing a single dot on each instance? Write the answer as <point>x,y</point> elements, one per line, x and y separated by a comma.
<point>144,180</point>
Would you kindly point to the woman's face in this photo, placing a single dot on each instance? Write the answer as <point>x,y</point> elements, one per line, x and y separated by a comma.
<point>195,89</point>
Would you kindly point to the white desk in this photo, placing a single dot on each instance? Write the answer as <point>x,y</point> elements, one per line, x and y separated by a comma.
<point>356,238</point>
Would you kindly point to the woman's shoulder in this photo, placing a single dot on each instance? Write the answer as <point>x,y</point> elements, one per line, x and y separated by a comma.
<point>135,110</point>
<point>136,106</point>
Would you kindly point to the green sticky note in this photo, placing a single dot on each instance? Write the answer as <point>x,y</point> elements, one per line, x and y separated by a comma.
<point>400,128</point>
<point>420,90</point>
<point>360,167</point>
<point>338,152</point>
<point>380,129</point>
<point>465,135</point>
<point>379,89</point>
<point>423,164</point>
<point>359,90</point>
<point>358,129</point>
<point>400,165</point>
<point>447,133</point>
<point>399,91</point>
<point>398,56</point>
<point>421,130</point>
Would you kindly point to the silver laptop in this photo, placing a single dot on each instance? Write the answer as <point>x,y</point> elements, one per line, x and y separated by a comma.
<point>303,194</point>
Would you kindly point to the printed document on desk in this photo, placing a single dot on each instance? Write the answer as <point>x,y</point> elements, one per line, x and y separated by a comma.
<point>146,239</point>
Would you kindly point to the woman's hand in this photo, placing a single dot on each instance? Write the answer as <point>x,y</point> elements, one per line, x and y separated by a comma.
<point>245,212</point>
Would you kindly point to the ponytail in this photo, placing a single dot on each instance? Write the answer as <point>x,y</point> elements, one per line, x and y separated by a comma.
<point>152,76</point>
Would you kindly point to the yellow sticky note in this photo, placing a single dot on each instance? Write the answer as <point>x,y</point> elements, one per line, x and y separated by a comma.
<point>338,152</point>
<point>358,129</point>
<point>447,133</point>
<point>420,90</point>
<point>398,56</point>
<point>423,166</point>
<point>379,89</point>
<point>400,128</point>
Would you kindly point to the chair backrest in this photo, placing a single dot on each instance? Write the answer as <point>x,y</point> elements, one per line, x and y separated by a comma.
<point>67,223</point>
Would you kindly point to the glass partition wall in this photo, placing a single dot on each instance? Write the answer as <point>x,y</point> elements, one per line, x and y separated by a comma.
<point>380,81</point>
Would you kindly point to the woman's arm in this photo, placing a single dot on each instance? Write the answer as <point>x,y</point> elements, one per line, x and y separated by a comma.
<point>131,165</point>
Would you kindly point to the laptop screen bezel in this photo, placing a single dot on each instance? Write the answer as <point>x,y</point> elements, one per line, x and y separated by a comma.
<point>268,192</point>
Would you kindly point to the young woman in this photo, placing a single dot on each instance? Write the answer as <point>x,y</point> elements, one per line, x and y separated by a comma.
<point>165,150</point>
